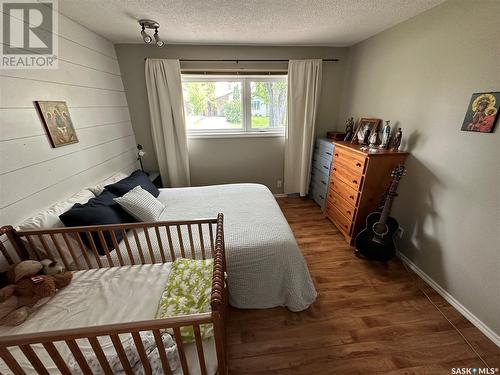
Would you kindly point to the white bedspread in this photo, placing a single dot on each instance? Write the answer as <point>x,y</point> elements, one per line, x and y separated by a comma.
<point>264,263</point>
<point>98,297</point>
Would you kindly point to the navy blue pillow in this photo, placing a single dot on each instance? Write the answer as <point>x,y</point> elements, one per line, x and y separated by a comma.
<point>97,211</point>
<point>128,183</point>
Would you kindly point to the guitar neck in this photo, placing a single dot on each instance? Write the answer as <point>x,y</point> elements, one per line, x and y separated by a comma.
<point>388,202</point>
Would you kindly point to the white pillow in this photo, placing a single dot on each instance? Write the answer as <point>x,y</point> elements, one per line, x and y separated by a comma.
<point>49,218</point>
<point>98,189</point>
<point>141,204</point>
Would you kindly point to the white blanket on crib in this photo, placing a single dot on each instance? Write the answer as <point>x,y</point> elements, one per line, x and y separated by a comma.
<point>100,297</point>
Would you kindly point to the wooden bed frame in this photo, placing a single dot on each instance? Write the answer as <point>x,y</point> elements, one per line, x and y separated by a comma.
<point>211,247</point>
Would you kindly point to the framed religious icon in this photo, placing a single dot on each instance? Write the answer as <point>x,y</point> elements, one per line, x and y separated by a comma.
<point>482,113</point>
<point>57,122</point>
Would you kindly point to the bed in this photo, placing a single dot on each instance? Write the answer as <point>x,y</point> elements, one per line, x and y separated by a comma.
<point>111,310</point>
<point>264,262</point>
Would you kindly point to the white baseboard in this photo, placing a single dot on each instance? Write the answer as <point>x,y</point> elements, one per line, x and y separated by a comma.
<point>280,195</point>
<point>488,332</point>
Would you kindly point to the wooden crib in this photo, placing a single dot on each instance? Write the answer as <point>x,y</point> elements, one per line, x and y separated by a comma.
<point>209,235</point>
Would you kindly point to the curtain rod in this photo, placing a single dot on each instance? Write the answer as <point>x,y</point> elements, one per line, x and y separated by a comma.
<point>242,60</point>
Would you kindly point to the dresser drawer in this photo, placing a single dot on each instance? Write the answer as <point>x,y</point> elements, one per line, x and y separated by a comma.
<point>340,204</point>
<point>348,194</point>
<point>319,177</point>
<point>351,178</point>
<point>340,221</point>
<point>322,164</point>
<point>324,147</point>
<point>350,159</point>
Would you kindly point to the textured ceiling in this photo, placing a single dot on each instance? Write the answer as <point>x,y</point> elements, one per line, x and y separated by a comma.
<point>271,22</point>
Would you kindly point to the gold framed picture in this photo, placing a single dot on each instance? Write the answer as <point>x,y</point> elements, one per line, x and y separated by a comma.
<point>482,113</point>
<point>57,122</point>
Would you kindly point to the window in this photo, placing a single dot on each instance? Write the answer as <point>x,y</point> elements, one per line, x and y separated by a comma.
<point>232,105</point>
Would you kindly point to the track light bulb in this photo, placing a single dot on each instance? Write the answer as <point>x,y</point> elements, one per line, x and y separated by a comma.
<point>159,42</point>
<point>145,36</point>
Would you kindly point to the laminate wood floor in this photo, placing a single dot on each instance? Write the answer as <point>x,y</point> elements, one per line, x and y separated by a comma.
<point>368,318</point>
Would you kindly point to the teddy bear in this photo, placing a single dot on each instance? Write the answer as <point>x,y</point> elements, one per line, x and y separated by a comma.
<point>31,284</point>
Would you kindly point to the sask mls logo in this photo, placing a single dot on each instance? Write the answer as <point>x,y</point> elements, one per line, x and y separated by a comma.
<point>29,35</point>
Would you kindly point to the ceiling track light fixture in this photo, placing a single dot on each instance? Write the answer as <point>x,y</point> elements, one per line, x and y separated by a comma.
<point>152,25</point>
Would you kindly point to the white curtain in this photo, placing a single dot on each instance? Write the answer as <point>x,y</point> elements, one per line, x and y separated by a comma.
<point>168,125</point>
<point>304,84</point>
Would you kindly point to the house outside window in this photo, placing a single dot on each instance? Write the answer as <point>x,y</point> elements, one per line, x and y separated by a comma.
<point>235,106</point>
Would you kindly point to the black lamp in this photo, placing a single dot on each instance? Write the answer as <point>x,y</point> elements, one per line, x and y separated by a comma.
<point>140,154</point>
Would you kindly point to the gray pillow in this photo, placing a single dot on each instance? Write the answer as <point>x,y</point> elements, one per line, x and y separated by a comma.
<point>141,204</point>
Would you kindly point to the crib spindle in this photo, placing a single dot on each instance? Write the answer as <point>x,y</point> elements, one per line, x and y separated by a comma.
<point>34,360</point>
<point>191,244</point>
<point>117,247</point>
<point>161,351</point>
<point>211,233</point>
<point>56,357</point>
<point>105,248</point>
<point>101,357</point>
<point>202,243</point>
<point>170,244</point>
<point>59,250</point>
<point>83,250</point>
<point>121,354</point>
<point>150,247</point>
<point>71,250</point>
<point>181,242</point>
<point>127,245</point>
<point>11,361</point>
<point>142,352</point>
<point>139,247</point>
<point>199,349</point>
<point>6,254</point>
<point>34,249</point>
<point>46,247</point>
<point>160,244</point>
<point>94,249</point>
<point>180,349</point>
<point>79,357</point>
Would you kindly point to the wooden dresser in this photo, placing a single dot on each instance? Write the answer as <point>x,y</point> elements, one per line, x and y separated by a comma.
<point>358,181</point>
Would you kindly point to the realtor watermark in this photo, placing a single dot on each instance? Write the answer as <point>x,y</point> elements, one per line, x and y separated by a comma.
<point>29,34</point>
<point>474,370</point>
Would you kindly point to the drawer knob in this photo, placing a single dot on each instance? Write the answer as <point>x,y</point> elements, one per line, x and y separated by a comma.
<point>328,153</point>
<point>334,168</point>
<point>358,164</point>
<point>354,181</point>
<point>324,166</point>
<point>349,212</point>
<point>323,182</point>
<point>336,155</point>
<point>351,196</point>
<point>322,197</point>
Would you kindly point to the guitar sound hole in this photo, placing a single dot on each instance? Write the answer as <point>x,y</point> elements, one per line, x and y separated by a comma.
<point>380,229</point>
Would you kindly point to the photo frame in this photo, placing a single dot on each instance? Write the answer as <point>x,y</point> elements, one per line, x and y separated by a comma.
<point>482,112</point>
<point>57,121</point>
<point>364,128</point>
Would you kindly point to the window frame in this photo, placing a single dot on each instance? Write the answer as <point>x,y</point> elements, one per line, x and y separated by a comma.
<point>246,107</point>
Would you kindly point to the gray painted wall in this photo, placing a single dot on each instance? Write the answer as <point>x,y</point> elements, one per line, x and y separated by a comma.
<point>215,161</point>
<point>421,75</point>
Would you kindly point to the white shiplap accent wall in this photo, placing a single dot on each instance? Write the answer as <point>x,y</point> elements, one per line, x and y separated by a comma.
<point>33,175</point>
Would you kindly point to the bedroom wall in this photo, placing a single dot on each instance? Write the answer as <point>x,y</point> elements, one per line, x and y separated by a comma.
<point>226,160</point>
<point>421,74</point>
<point>32,174</point>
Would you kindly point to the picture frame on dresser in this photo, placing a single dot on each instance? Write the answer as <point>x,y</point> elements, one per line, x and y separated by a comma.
<point>364,128</point>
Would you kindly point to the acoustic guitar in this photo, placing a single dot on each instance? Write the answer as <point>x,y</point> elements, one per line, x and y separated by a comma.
<point>377,240</point>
